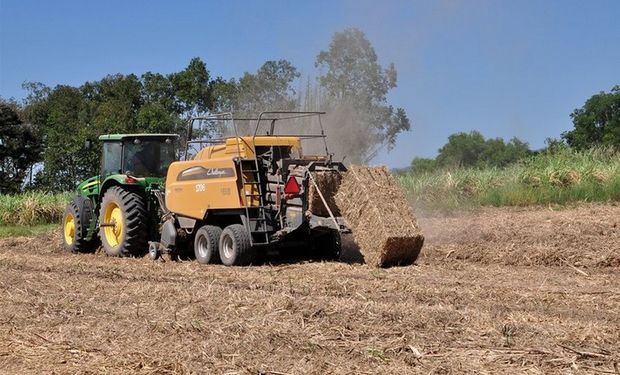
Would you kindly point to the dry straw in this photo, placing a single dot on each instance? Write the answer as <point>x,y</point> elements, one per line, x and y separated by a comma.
<point>458,313</point>
<point>328,182</point>
<point>382,221</point>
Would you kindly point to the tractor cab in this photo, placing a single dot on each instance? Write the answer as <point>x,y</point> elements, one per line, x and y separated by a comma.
<point>137,155</point>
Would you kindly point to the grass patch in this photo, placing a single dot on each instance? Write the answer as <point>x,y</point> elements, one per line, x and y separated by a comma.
<point>33,208</point>
<point>548,178</point>
<point>21,231</point>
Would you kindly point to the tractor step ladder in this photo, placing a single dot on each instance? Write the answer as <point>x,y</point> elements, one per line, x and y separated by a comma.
<point>261,220</point>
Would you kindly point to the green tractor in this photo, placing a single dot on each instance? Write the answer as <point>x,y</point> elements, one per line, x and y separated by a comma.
<point>122,206</point>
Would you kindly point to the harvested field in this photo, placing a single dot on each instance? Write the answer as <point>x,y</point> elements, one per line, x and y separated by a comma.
<point>586,236</point>
<point>496,291</point>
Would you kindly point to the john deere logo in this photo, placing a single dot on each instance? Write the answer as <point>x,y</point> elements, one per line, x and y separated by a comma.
<point>202,173</point>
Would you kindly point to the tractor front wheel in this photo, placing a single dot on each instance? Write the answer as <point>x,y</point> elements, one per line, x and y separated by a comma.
<point>75,224</point>
<point>122,223</point>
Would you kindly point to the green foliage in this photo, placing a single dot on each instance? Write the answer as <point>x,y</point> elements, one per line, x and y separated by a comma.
<point>562,176</point>
<point>353,70</point>
<point>62,124</point>
<point>498,153</point>
<point>473,150</point>
<point>355,87</point>
<point>462,150</point>
<point>597,123</point>
<point>156,118</point>
<point>191,88</point>
<point>152,103</point>
<point>68,116</point>
<point>32,208</point>
<point>270,88</point>
<point>20,148</point>
<point>355,84</point>
<point>11,231</point>
<point>224,94</point>
<point>554,145</point>
<point>422,165</point>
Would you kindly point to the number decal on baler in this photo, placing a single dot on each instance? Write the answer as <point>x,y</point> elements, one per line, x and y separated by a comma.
<point>201,188</point>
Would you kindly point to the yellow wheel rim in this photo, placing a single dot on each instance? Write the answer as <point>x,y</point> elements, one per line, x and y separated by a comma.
<point>69,228</point>
<point>113,233</point>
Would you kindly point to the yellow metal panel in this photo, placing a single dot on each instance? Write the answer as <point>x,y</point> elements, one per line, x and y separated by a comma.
<point>244,146</point>
<point>210,181</point>
<point>193,187</point>
<point>275,141</point>
<point>212,152</point>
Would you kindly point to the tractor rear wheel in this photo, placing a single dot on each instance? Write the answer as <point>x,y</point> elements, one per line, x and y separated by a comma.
<point>122,223</point>
<point>75,224</point>
<point>206,244</point>
<point>235,248</point>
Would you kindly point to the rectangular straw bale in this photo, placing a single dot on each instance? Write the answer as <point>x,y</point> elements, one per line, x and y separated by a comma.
<point>381,219</point>
<point>328,182</point>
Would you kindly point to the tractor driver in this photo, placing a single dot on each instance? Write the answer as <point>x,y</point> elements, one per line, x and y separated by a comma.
<point>138,164</point>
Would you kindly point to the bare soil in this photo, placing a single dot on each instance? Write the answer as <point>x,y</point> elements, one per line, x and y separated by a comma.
<point>495,291</point>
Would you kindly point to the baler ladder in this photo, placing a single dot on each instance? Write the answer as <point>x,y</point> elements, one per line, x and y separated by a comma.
<point>261,220</point>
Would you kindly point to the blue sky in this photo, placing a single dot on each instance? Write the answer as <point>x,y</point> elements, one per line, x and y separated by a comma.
<point>505,68</point>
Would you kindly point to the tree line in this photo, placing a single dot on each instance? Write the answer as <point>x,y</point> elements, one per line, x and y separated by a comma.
<point>42,138</point>
<point>50,127</point>
<point>595,124</point>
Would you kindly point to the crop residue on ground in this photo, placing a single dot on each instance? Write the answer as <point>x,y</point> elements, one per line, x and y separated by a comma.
<point>497,291</point>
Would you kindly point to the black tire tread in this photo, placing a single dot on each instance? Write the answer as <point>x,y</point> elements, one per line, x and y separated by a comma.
<point>81,209</point>
<point>241,239</point>
<point>212,233</point>
<point>134,208</point>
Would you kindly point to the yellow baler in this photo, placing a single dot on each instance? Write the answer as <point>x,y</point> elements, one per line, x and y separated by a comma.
<point>243,195</point>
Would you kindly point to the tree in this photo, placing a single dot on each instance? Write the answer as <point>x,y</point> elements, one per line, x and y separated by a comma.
<point>356,84</point>
<point>64,126</point>
<point>462,150</point>
<point>270,88</point>
<point>68,116</point>
<point>472,150</point>
<point>224,94</point>
<point>498,153</point>
<point>112,104</point>
<point>597,123</point>
<point>20,148</point>
<point>160,111</point>
<point>192,89</point>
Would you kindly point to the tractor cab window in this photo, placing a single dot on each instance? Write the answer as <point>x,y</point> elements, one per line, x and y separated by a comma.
<point>148,158</point>
<point>111,163</point>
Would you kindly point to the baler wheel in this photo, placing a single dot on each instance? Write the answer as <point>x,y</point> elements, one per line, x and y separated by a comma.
<point>235,248</point>
<point>206,244</point>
